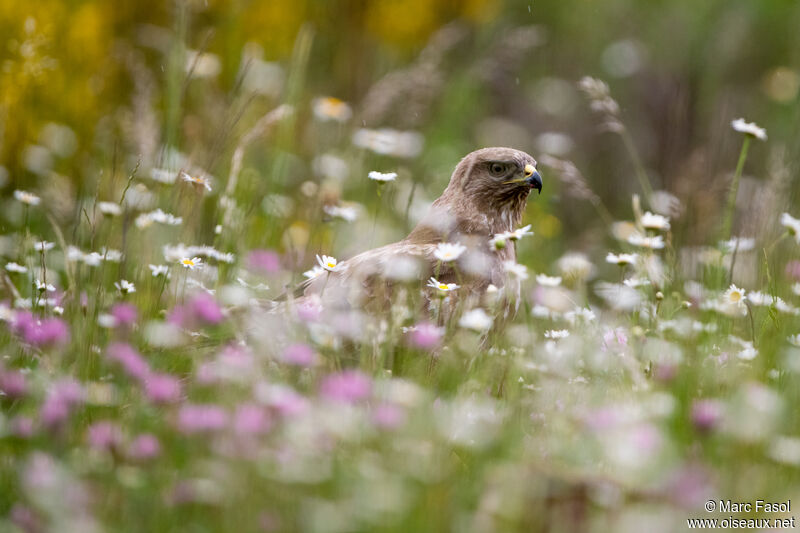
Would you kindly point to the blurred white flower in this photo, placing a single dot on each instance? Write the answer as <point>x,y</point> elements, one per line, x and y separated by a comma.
<point>442,287</point>
<point>26,197</point>
<point>191,262</point>
<point>125,287</point>
<point>794,340</point>
<point>158,270</point>
<point>738,244</point>
<point>749,128</point>
<point>315,271</point>
<point>389,142</point>
<point>14,267</point>
<point>556,334</point>
<point>43,246</point>
<point>654,243</point>
<point>446,251</point>
<point>514,268</point>
<point>42,286</point>
<point>621,259</point>
<point>146,219</point>
<point>519,233</point>
<point>476,319</point>
<point>92,259</point>
<point>330,166</point>
<point>330,108</point>
<point>202,64</point>
<point>115,256</point>
<point>785,450</point>
<point>347,213</point>
<point>548,281</point>
<point>653,221</point>
<point>748,352</point>
<point>203,181</point>
<point>109,209</point>
<point>759,298</point>
<point>575,266</point>
<point>328,263</point>
<point>796,289</point>
<point>792,225</point>
<point>580,313</point>
<point>636,282</point>
<point>382,176</point>
<point>163,175</point>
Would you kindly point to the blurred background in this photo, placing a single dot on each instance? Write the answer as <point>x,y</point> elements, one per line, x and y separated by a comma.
<point>90,88</point>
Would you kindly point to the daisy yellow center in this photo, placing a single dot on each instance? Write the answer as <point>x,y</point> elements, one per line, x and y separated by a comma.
<point>331,265</point>
<point>736,296</point>
<point>188,262</point>
<point>443,286</point>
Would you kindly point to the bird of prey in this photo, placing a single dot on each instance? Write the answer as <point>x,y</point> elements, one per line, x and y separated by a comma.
<point>487,194</point>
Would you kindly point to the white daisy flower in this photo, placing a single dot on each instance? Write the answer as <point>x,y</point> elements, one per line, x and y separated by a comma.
<point>519,271</point>
<point>556,334</point>
<point>26,197</point>
<point>200,180</point>
<point>382,176</point>
<point>314,272</point>
<point>43,246</point>
<point>636,282</point>
<point>794,340</point>
<point>109,209</point>
<point>446,251</point>
<point>792,225</point>
<point>125,287</point>
<point>442,287</point>
<point>42,286</point>
<point>654,243</point>
<point>548,281</point>
<point>621,259</point>
<point>519,233</point>
<point>328,263</point>
<point>734,295</point>
<point>476,319</point>
<point>749,128</point>
<point>330,108</point>
<point>218,229</point>
<point>15,267</point>
<point>191,263</point>
<point>653,221</point>
<point>158,270</point>
<point>346,213</point>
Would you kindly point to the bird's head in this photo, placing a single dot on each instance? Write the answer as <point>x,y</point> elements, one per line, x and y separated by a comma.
<point>497,176</point>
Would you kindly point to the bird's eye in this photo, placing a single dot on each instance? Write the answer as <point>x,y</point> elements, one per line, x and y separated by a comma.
<point>497,169</point>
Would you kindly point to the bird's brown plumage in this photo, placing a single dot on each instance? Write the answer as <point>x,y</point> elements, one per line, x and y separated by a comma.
<point>486,195</point>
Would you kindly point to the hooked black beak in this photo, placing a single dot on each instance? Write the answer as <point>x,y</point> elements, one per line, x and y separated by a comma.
<point>535,181</point>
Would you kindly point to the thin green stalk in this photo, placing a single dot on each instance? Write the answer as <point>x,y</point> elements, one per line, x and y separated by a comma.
<point>727,223</point>
<point>641,173</point>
